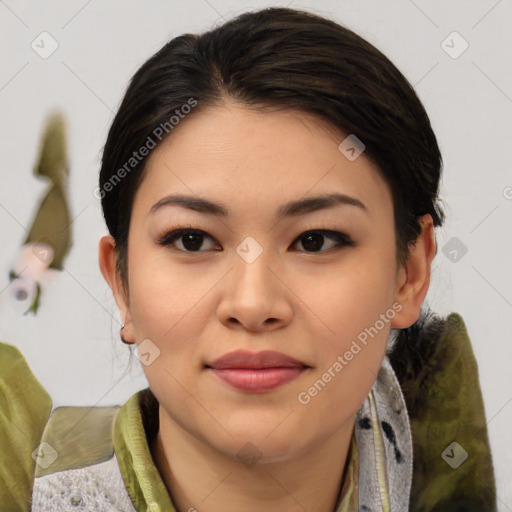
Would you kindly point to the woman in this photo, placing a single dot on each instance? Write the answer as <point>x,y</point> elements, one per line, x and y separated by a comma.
<point>271,193</point>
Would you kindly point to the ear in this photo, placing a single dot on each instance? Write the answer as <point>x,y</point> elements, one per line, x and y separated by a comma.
<point>107,263</point>
<point>413,279</point>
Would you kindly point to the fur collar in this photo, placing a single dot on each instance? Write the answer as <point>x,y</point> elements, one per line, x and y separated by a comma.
<point>435,365</point>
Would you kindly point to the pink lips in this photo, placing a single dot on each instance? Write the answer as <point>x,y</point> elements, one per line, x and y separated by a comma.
<point>256,372</point>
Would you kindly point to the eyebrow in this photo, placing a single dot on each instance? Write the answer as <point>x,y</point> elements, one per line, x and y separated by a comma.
<point>291,209</point>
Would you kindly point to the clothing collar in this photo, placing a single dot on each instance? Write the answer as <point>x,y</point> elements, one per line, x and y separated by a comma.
<point>379,470</point>
<point>134,429</point>
<point>384,443</point>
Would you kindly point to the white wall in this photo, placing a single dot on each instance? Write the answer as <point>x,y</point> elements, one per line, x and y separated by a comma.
<point>74,337</point>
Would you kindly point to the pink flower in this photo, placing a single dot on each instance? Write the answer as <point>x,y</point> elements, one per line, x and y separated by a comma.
<point>33,260</point>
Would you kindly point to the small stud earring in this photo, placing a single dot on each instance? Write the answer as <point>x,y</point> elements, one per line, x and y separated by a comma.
<point>122,338</point>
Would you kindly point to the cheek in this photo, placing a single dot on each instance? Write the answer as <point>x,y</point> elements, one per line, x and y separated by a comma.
<point>164,296</point>
<point>351,296</point>
<point>170,309</point>
<point>348,364</point>
<point>355,307</point>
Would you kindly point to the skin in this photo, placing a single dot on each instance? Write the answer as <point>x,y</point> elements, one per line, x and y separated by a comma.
<point>311,305</point>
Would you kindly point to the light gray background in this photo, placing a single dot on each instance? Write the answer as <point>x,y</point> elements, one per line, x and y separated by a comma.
<point>72,343</point>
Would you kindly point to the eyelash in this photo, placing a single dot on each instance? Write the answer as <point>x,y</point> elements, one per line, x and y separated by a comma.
<point>176,232</point>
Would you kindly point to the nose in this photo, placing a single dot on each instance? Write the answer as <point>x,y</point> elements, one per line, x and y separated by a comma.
<point>255,297</point>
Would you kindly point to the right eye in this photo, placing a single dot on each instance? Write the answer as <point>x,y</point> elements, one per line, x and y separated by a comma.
<point>190,240</point>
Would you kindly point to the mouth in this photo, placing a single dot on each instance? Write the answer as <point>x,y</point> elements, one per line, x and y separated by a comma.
<point>256,372</point>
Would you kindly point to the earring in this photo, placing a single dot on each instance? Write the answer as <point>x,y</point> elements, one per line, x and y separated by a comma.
<point>122,338</point>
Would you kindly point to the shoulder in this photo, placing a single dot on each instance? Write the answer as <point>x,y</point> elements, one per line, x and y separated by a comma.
<point>24,410</point>
<point>77,465</point>
<point>435,365</point>
<point>76,437</point>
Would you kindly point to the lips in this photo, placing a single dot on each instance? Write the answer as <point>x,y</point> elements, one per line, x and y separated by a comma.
<point>256,372</point>
<point>243,359</point>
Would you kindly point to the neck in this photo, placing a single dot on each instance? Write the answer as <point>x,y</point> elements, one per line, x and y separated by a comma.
<point>199,477</point>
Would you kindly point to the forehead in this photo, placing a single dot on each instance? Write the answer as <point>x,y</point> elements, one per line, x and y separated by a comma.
<point>256,161</point>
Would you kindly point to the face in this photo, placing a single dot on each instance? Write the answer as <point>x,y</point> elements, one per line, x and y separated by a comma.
<point>308,282</point>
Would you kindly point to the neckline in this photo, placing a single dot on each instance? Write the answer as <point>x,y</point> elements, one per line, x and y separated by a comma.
<point>136,427</point>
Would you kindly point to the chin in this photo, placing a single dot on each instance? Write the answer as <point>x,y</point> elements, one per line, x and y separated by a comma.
<point>256,446</point>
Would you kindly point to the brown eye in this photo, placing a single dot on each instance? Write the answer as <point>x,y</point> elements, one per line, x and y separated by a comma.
<point>190,240</point>
<point>314,241</point>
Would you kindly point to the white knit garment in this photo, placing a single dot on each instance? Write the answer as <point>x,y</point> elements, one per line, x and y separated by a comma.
<point>100,487</point>
<point>96,488</point>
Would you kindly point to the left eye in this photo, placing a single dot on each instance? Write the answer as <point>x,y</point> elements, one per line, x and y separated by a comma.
<point>313,241</point>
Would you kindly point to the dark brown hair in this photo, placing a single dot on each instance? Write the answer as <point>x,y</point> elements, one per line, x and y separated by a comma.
<point>278,58</point>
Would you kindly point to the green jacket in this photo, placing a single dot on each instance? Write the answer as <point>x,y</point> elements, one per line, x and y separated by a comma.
<point>433,361</point>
